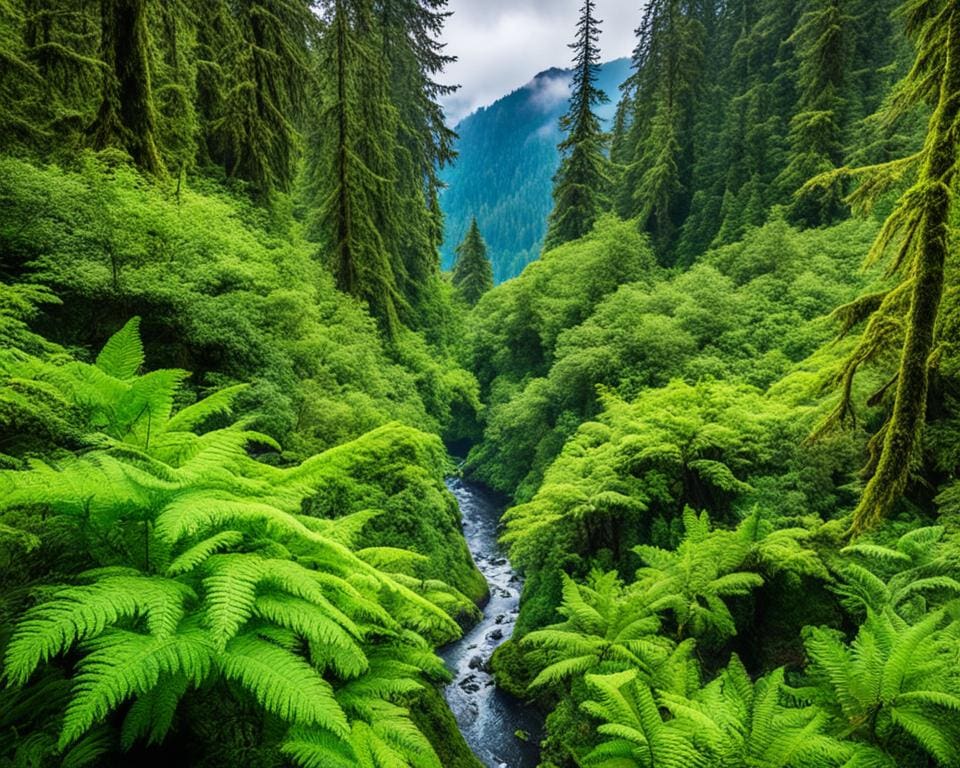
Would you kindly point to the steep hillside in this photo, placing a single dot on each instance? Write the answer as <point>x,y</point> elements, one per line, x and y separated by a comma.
<point>503,175</point>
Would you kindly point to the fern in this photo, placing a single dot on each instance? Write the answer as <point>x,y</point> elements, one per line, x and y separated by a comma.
<point>893,676</point>
<point>607,628</point>
<point>122,356</point>
<point>218,576</point>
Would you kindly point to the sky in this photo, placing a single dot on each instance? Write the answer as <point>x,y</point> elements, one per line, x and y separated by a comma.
<point>502,44</point>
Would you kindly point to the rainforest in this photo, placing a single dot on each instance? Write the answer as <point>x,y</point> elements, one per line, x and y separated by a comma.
<point>657,466</point>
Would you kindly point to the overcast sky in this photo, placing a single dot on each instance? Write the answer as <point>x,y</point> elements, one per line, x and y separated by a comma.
<point>501,44</point>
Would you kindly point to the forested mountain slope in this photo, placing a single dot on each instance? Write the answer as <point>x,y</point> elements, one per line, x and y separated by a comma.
<point>507,159</point>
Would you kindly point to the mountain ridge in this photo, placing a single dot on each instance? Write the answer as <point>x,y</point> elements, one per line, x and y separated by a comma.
<point>504,172</point>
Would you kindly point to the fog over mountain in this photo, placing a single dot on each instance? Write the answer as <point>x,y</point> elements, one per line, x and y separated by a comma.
<point>503,176</point>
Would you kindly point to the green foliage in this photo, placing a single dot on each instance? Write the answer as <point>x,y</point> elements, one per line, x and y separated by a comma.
<point>748,312</point>
<point>580,186</point>
<point>203,568</point>
<point>916,236</point>
<point>892,686</point>
<point>226,294</point>
<point>472,274</point>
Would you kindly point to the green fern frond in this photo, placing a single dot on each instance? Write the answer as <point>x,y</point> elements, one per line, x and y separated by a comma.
<point>75,614</point>
<point>193,416</point>
<point>200,552</point>
<point>152,714</point>
<point>317,748</point>
<point>283,683</point>
<point>122,355</point>
<point>121,664</point>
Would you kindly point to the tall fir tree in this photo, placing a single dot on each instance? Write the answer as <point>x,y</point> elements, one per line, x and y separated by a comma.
<point>580,187</point>
<point>61,39</point>
<point>266,71</point>
<point>415,59</point>
<point>351,165</point>
<point>127,117</point>
<point>657,152</point>
<point>823,41</point>
<point>473,273</point>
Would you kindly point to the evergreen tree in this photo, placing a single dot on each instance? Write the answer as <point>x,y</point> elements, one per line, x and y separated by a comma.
<point>580,186</point>
<point>823,44</point>
<point>266,66</point>
<point>410,30</point>
<point>176,83</point>
<point>127,117</point>
<point>61,40</point>
<point>351,173</point>
<point>668,61</point>
<point>473,274</point>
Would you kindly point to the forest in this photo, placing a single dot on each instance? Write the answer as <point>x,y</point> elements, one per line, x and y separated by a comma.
<point>240,397</point>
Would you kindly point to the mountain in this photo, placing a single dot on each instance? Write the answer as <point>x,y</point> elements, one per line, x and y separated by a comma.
<point>504,172</point>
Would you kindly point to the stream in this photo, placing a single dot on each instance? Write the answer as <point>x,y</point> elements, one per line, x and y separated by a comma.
<point>488,717</point>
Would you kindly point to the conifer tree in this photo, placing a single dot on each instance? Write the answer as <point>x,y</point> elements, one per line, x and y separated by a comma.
<point>415,58</point>
<point>919,234</point>
<point>580,186</point>
<point>127,117</point>
<point>266,69</point>
<point>15,70</point>
<point>61,40</point>
<point>473,273</point>
<point>668,63</point>
<point>823,43</point>
<point>351,169</point>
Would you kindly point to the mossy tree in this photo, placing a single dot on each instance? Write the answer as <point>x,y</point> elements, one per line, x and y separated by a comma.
<point>918,232</point>
<point>415,58</point>
<point>823,40</point>
<point>351,174</point>
<point>127,116</point>
<point>669,64</point>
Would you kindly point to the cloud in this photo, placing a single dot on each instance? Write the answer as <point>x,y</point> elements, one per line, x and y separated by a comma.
<point>548,92</point>
<point>502,44</point>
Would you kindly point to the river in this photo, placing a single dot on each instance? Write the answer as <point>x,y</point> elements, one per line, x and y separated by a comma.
<point>488,717</point>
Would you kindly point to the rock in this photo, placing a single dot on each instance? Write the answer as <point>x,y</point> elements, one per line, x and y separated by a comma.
<point>469,684</point>
<point>500,618</point>
<point>476,662</point>
<point>496,634</point>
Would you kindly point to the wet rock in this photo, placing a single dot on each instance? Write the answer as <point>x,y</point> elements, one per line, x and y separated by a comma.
<point>470,684</point>
<point>476,662</point>
<point>496,634</point>
<point>500,618</point>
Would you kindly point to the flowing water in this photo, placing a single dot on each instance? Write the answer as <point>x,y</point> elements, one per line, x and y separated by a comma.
<point>488,717</point>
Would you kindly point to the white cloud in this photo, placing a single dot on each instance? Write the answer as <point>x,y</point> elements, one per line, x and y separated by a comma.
<point>501,44</point>
<point>548,92</point>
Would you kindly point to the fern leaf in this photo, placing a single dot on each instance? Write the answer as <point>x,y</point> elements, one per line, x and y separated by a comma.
<point>317,748</point>
<point>191,417</point>
<point>151,715</point>
<point>198,553</point>
<point>283,683</point>
<point>122,355</point>
<point>120,664</point>
<point>230,590</point>
<point>75,614</point>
